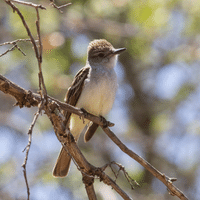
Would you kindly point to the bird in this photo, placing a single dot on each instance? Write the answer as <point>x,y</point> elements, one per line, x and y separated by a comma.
<point>93,90</point>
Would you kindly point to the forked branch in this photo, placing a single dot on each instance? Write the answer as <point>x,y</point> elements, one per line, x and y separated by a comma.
<point>52,109</point>
<point>13,89</point>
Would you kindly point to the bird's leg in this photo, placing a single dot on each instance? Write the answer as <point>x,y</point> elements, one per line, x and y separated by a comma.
<point>84,114</point>
<point>105,122</point>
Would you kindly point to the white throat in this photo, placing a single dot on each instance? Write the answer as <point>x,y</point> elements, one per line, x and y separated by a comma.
<point>106,63</point>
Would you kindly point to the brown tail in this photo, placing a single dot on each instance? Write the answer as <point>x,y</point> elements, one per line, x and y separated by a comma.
<point>62,165</point>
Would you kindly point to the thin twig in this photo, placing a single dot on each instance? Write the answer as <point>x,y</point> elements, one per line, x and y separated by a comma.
<point>27,148</point>
<point>15,41</point>
<point>25,25</point>
<point>59,7</point>
<point>42,86</point>
<point>20,50</point>
<point>11,49</point>
<point>38,52</point>
<point>166,180</point>
<point>29,4</point>
<point>131,181</point>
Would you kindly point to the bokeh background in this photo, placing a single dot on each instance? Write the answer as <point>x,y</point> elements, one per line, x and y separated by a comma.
<point>156,112</point>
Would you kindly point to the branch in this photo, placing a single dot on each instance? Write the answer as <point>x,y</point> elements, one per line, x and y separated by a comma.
<point>29,4</point>
<point>9,2</point>
<point>38,54</point>
<point>68,142</point>
<point>14,43</point>
<point>27,98</point>
<point>24,97</point>
<point>89,186</point>
<point>59,7</point>
<point>38,51</point>
<point>131,181</point>
<point>166,180</point>
<point>39,58</point>
<point>11,49</point>
<point>14,90</point>
<point>28,147</point>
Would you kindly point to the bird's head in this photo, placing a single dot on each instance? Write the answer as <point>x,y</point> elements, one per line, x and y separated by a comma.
<point>101,52</point>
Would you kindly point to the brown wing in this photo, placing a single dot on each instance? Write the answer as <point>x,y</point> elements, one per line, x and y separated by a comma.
<point>75,90</point>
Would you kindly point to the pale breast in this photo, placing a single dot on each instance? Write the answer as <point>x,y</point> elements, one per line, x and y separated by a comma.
<point>99,92</point>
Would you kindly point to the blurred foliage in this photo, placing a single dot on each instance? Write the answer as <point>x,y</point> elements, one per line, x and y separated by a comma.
<point>156,112</point>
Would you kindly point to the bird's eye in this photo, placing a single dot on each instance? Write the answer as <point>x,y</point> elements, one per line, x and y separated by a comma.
<point>101,55</point>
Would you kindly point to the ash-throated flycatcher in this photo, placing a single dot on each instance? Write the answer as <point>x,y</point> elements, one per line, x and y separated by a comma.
<point>93,89</point>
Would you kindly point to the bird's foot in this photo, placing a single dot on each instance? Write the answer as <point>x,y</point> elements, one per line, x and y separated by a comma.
<point>106,123</point>
<point>83,114</point>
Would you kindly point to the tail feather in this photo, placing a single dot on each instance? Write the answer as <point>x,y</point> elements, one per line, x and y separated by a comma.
<point>62,165</point>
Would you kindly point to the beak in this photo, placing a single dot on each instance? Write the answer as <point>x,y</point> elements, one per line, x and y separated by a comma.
<point>119,51</point>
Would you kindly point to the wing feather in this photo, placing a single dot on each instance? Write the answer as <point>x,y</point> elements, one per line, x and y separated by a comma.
<point>75,90</point>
